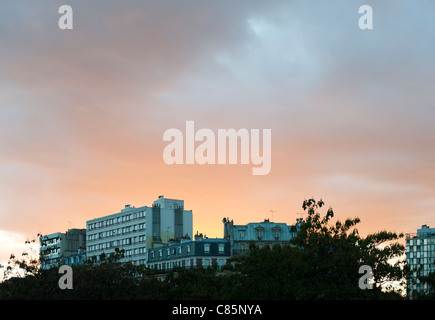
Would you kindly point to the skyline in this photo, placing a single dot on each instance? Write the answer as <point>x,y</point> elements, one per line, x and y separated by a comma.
<point>83,111</point>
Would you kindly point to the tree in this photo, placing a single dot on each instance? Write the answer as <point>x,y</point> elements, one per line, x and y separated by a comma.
<point>194,283</point>
<point>323,261</point>
<point>26,265</point>
<point>106,280</point>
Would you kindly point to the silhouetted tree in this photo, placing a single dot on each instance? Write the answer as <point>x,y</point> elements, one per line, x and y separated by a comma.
<point>321,262</point>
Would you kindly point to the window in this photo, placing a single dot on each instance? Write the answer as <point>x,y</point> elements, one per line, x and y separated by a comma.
<point>243,248</point>
<point>206,248</point>
<point>259,232</point>
<point>221,262</point>
<point>221,248</point>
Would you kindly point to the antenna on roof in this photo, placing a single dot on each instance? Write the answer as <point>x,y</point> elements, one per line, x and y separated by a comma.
<point>272,211</point>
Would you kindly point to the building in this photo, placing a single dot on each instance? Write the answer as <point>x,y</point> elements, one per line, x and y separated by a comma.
<point>186,253</point>
<point>135,230</point>
<point>55,247</point>
<point>261,234</point>
<point>75,259</point>
<point>204,252</point>
<point>420,255</point>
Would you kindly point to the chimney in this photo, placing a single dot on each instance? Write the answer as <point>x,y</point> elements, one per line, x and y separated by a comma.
<point>198,236</point>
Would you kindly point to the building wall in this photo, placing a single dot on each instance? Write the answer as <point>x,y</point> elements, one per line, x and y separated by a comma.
<point>168,220</point>
<point>134,230</point>
<point>420,255</point>
<point>258,233</point>
<point>125,230</point>
<point>189,254</point>
<point>50,249</point>
<point>74,242</point>
<point>57,246</point>
<point>75,259</point>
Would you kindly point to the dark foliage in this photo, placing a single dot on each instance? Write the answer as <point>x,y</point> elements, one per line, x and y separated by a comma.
<point>321,262</point>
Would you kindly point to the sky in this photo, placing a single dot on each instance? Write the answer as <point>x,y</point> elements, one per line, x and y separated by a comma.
<point>83,111</point>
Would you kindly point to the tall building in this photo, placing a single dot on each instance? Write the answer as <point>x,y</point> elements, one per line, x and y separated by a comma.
<point>56,247</point>
<point>135,230</point>
<point>264,233</point>
<point>420,255</point>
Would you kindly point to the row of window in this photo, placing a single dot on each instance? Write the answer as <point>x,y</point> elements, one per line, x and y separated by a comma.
<point>206,262</point>
<point>419,287</point>
<point>243,247</point>
<point>116,243</point>
<point>74,260</point>
<point>259,234</point>
<point>139,262</point>
<point>429,247</point>
<point>115,232</point>
<point>423,254</point>
<point>177,251</point>
<point>421,261</point>
<point>136,251</point>
<point>51,252</point>
<point>420,241</point>
<point>112,221</point>
<point>131,252</point>
<point>50,242</point>
<point>417,274</point>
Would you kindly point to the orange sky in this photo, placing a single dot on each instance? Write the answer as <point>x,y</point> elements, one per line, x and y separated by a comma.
<point>83,111</point>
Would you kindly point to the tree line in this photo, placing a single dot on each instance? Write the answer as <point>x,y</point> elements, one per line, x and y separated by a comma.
<point>321,263</point>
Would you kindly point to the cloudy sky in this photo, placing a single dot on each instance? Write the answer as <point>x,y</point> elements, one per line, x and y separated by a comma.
<point>83,111</point>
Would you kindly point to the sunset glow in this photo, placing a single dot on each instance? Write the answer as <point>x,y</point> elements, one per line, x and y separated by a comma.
<point>83,111</point>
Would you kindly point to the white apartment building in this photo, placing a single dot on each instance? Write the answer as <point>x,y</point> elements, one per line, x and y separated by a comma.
<point>135,230</point>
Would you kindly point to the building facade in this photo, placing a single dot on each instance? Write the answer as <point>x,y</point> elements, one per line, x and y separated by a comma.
<point>186,253</point>
<point>56,247</point>
<point>420,255</point>
<point>264,233</point>
<point>75,259</point>
<point>134,230</point>
<point>159,236</point>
